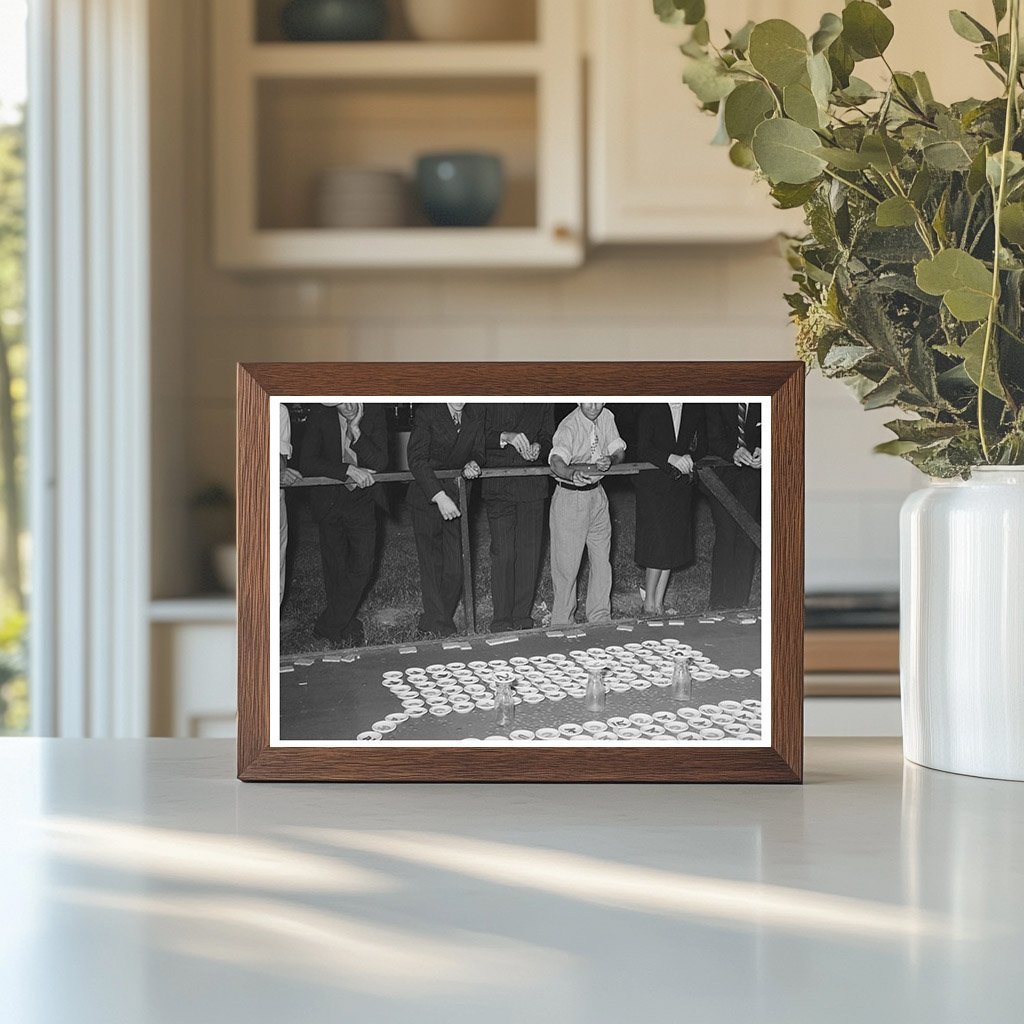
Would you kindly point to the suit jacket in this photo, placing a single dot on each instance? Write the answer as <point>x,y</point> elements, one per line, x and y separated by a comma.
<point>321,454</point>
<point>723,428</point>
<point>657,438</point>
<point>535,420</point>
<point>435,444</point>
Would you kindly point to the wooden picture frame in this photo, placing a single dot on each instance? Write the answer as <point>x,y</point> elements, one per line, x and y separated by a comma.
<point>781,760</point>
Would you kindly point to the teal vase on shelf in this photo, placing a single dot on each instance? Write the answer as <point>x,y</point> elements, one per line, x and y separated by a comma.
<point>332,21</point>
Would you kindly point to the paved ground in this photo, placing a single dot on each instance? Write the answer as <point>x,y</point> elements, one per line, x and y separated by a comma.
<point>332,700</point>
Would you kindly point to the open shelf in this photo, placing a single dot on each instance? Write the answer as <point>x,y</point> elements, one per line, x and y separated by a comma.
<point>519,16</point>
<point>308,127</point>
<point>286,114</point>
<point>393,60</point>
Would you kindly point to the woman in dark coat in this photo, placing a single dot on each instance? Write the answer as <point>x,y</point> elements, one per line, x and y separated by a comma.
<point>668,434</point>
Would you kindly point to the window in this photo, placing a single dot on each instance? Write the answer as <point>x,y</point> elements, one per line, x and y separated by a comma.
<point>14,548</point>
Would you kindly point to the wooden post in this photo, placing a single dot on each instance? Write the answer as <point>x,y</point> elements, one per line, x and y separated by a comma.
<point>468,601</point>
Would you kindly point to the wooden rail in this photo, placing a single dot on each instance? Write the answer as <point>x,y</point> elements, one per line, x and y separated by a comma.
<point>705,471</point>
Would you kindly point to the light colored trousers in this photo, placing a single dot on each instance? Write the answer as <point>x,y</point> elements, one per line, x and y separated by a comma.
<point>580,519</point>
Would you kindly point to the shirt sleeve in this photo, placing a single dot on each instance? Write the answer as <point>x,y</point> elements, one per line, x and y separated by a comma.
<point>562,442</point>
<point>286,432</point>
<point>612,441</point>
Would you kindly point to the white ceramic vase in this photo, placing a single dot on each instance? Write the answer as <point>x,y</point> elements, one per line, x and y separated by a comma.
<point>962,624</point>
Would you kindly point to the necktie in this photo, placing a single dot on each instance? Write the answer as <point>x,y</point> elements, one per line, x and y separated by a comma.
<point>741,426</point>
<point>457,417</point>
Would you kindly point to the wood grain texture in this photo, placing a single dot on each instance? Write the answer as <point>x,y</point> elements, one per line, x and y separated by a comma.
<point>852,650</point>
<point>782,762</point>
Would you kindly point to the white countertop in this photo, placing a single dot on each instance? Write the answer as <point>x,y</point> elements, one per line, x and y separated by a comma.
<point>143,885</point>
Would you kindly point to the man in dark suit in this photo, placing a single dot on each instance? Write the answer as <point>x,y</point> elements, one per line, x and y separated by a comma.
<point>449,435</point>
<point>516,434</point>
<point>734,434</point>
<point>346,441</point>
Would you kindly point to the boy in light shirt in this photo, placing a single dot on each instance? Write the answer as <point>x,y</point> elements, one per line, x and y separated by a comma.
<point>579,510</point>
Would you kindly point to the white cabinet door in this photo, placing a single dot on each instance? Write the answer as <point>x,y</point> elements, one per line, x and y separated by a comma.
<point>653,174</point>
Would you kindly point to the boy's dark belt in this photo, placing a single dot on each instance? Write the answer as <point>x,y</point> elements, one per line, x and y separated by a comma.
<point>573,487</point>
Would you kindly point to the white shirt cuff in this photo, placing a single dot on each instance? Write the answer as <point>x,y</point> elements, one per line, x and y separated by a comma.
<point>564,453</point>
<point>617,446</point>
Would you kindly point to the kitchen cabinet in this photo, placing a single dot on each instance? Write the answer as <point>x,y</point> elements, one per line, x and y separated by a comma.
<point>653,175</point>
<point>287,113</point>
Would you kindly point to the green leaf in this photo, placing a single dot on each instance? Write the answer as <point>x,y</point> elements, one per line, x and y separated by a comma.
<point>939,220</point>
<point>789,197</point>
<point>883,153</point>
<point>895,447</point>
<point>785,152</point>
<point>741,155</point>
<point>745,108</point>
<point>801,106</point>
<point>896,212</point>
<point>969,28</point>
<point>844,159</point>
<point>885,394</point>
<point>708,80</point>
<point>830,29</point>
<point>866,29</point>
<point>947,156</point>
<point>923,431</point>
<point>1014,169</point>
<point>921,186</point>
<point>778,50</point>
<point>1012,226</point>
<point>999,6</point>
<point>679,12</point>
<point>841,60</point>
<point>963,281</point>
<point>739,41</point>
<point>820,76</point>
<point>971,352</point>
<point>924,87</point>
<point>976,174</point>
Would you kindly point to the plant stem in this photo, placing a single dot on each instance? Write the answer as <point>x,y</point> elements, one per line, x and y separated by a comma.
<point>855,187</point>
<point>993,309</point>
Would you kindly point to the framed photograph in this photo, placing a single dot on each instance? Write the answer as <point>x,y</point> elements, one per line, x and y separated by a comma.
<point>556,572</point>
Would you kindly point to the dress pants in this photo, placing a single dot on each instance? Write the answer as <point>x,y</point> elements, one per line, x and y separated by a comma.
<point>439,548</point>
<point>348,534</point>
<point>735,555</point>
<point>580,519</point>
<point>517,538</point>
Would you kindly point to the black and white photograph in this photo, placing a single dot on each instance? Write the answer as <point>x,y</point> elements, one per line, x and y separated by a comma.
<point>545,572</point>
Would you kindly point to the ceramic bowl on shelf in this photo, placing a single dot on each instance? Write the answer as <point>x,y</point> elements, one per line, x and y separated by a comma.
<point>361,198</point>
<point>470,20</point>
<point>332,21</point>
<point>460,189</point>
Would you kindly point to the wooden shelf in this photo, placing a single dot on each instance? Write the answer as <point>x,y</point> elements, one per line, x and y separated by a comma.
<point>401,247</point>
<point>393,60</point>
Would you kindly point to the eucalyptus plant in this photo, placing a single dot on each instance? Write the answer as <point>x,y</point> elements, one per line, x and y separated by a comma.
<point>910,278</point>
